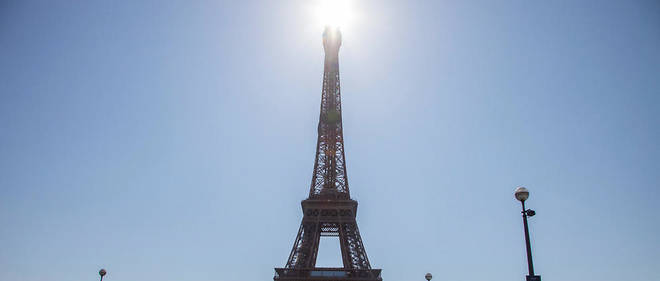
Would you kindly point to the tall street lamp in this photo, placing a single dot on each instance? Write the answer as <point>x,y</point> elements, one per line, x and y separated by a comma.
<point>522,194</point>
<point>102,272</point>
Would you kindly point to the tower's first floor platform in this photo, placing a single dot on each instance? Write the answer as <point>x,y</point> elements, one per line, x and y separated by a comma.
<point>326,274</point>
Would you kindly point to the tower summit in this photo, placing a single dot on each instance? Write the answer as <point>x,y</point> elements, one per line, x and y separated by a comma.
<point>329,210</point>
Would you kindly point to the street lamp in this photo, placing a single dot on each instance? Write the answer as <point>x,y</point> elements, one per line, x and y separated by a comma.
<point>102,272</point>
<point>522,194</point>
<point>428,276</point>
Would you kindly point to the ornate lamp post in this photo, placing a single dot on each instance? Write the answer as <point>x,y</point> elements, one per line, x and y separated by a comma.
<point>522,194</point>
<point>428,276</point>
<point>102,272</point>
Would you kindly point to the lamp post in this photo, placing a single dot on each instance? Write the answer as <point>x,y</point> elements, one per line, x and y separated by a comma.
<point>522,194</point>
<point>428,276</point>
<point>102,272</point>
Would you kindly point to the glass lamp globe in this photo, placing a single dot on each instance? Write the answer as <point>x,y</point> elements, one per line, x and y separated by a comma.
<point>428,276</point>
<point>522,194</point>
<point>102,272</point>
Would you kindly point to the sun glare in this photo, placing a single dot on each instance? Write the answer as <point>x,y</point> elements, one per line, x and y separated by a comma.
<point>335,13</point>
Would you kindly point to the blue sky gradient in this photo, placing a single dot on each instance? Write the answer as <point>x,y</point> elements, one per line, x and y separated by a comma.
<point>173,140</point>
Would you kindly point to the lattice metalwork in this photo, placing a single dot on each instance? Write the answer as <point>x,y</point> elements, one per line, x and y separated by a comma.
<point>329,178</point>
<point>353,244</point>
<point>329,210</point>
<point>302,255</point>
<point>305,248</point>
<point>330,229</point>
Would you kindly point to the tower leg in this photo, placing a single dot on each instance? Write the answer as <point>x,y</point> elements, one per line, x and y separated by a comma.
<point>303,254</point>
<point>352,244</point>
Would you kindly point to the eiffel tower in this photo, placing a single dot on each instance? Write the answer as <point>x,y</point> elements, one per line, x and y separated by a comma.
<point>329,209</point>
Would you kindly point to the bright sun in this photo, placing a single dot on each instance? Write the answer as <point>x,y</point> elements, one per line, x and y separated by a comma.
<point>335,13</point>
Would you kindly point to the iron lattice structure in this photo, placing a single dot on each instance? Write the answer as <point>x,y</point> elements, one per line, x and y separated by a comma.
<point>329,209</point>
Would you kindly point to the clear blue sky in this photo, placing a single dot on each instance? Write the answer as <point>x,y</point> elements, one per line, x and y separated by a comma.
<point>174,140</point>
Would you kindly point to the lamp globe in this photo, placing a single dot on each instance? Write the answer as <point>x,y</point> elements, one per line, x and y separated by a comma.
<point>522,194</point>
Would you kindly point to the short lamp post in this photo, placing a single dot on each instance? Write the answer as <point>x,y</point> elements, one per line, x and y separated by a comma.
<point>522,194</point>
<point>102,272</point>
<point>428,276</point>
